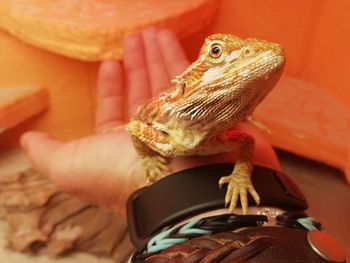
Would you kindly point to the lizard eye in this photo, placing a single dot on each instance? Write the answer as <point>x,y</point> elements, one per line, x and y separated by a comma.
<point>215,51</point>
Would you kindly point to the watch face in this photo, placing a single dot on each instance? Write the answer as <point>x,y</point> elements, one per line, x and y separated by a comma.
<point>326,246</point>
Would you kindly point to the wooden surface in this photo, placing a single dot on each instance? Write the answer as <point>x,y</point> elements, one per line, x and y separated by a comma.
<point>69,27</point>
<point>9,256</point>
<point>40,219</point>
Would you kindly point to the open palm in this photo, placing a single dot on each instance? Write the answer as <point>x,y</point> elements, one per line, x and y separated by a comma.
<point>104,168</point>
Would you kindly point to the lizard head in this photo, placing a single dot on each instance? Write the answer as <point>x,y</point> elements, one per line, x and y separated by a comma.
<point>228,80</point>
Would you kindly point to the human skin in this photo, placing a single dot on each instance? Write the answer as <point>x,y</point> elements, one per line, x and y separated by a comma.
<point>104,168</point>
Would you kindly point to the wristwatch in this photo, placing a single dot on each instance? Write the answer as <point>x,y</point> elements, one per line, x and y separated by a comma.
<point>154,213</point>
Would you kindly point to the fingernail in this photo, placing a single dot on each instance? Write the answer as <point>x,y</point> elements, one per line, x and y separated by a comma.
<point>166,35</point>
<point>132,42</point>
<point>109,66</point>
<point>150,30</point>
<point>166,32</point>
<point>149,36</point>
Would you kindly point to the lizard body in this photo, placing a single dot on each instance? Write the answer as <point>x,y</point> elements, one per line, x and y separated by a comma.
<point>221,88</point>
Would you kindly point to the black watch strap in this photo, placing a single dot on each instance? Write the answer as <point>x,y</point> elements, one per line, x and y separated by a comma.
<point>193,191</point>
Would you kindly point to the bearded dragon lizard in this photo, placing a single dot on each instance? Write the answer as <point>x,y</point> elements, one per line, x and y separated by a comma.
<point>221,88</point>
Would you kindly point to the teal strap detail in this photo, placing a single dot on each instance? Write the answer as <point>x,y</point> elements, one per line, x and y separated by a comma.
<point>187,229</point>
<point>162,240</point>
<point>307,222</point>
<point>193,229</point>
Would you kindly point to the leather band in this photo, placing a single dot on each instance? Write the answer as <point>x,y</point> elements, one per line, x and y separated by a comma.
<point>193,191</point>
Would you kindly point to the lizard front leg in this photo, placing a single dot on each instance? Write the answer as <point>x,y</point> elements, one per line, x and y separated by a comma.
<point>239,182</point>
<point>150,144</point>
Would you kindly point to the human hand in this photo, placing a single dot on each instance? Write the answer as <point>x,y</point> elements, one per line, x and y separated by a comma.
<point>104,168</point>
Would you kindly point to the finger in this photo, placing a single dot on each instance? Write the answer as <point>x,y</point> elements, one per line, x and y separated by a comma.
<point>173,53</point>
<point>136,73</point>
<point>39,147</point>
<point>110,83</point>
<point>158,74</point>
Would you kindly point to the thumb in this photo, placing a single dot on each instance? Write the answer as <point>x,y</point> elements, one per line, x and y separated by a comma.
<point>39,147</point>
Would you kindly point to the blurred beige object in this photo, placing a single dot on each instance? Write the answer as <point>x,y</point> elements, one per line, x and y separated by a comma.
<point>42,220</point>
<point>93,30</point>
<point>9,256</point>
<point>17,104</point>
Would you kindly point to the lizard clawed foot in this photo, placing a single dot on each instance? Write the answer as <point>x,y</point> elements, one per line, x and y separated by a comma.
<point>238,185</point>
<point>155,167</point>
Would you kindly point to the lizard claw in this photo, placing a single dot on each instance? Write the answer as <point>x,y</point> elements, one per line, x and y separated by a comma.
<point>238,186</point>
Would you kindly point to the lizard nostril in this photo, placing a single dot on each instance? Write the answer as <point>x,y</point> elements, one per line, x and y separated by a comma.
<point>248,51</point>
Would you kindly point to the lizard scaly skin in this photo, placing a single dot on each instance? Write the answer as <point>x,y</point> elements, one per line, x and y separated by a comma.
<point>221,88</point>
